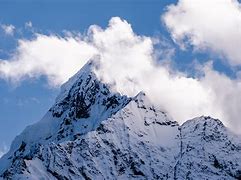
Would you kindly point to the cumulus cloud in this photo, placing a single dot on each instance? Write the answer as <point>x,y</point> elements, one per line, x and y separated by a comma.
<point>207,25</point>
<point>52,56</point>
<point>8,29</point>
<point>128,62</point>
<point>226,96</point>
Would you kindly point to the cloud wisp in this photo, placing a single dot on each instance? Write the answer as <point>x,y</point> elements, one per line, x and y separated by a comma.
<point>127,62</point>
<point>3,150</point>
<point>8,29</point>
<point>207,25</point>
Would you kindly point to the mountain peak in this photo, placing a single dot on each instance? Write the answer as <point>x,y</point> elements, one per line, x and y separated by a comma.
<point>87,71</point>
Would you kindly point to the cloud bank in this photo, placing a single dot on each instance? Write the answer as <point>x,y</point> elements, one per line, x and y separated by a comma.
<point>207,25</point>
<point>127,61</point>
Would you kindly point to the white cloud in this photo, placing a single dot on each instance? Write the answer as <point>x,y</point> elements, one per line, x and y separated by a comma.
<point>226,96</point>
<point>55,57</point>
<point>28,25</point>
<point>207,25</point>
<point>8,29</point>
<point>128,62</point>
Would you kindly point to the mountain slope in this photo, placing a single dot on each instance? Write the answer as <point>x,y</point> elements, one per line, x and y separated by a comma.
<point>208,150</point>
<point>92,132</point>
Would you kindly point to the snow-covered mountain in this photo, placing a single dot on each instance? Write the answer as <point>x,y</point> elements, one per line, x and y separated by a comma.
<point>92,132</point>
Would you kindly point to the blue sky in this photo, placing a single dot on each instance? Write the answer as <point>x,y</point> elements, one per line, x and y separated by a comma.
<point>26,102</point>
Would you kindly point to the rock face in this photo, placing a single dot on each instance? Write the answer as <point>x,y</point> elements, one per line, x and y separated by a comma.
<point>92,132</point>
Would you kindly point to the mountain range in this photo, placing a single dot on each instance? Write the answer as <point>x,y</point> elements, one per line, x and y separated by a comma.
<point>93,132</point>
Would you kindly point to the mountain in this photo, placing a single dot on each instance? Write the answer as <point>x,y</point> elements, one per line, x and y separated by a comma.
<point>92,132</point>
